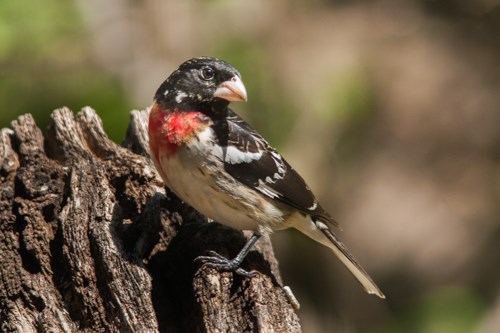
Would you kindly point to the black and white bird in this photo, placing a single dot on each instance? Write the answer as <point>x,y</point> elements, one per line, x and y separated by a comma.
<point>217,163</point>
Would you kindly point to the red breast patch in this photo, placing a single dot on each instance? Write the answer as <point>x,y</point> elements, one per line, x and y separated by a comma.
<point>170,129</point>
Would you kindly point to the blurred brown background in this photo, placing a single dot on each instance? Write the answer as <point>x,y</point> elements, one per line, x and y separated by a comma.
<point>390,111</point>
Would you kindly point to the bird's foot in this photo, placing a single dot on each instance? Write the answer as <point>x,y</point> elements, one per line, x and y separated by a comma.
<point>215,260</point>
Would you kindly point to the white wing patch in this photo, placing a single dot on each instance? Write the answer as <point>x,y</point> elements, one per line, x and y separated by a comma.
<point>264,189</point>
<point>313,207</point>
<point>233,155</point>
<point>279,165</point>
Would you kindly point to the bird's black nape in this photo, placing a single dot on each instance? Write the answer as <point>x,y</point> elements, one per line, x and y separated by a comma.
<point>193,84</point>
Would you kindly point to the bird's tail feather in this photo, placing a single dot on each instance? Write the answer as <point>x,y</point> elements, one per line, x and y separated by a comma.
<point>322,234</point>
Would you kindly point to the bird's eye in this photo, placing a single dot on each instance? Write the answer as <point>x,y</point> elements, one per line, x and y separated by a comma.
<point>207,73</point>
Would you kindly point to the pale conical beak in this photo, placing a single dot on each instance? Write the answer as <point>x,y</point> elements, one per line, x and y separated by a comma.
<point>232,90</point>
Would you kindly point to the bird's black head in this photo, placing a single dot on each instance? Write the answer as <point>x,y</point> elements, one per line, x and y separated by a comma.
<point>202,83</point>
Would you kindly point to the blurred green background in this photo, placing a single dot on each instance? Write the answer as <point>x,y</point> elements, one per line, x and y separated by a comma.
<point>390,110</point>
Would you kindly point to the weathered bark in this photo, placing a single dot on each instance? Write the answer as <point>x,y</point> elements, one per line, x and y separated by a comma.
<point>90,241</point>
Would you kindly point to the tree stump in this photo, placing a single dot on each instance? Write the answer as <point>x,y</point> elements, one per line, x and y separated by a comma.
<point>91,241</point>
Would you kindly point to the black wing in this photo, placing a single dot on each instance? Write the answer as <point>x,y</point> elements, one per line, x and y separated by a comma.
<point>253,162</point>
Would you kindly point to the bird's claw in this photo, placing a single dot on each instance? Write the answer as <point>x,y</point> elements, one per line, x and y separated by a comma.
<point>215,260</point>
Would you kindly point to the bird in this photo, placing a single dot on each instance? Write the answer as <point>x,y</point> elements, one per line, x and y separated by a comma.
<point>216,162</point>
